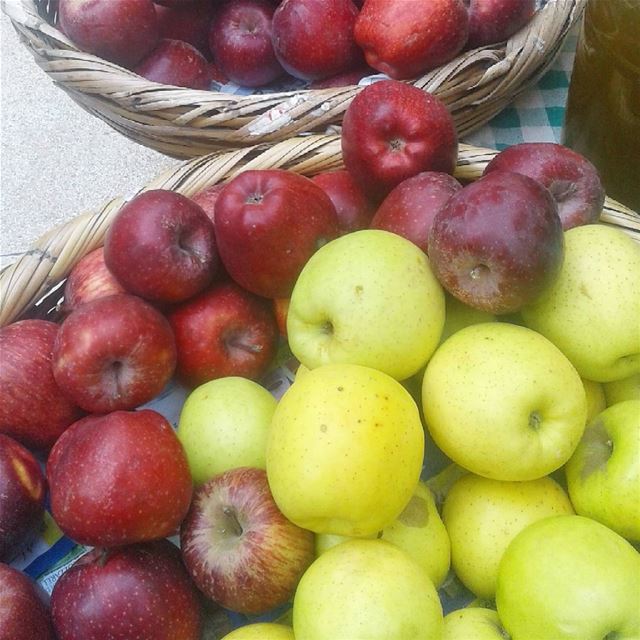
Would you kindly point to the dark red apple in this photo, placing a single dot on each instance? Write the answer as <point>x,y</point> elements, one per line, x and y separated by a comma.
<point>343,79</point>
<point>33,409</point>
<point>353,208</point>
<point>268,224</point>
<point>175,63</point>
<point>207,200</point>
<point>24,607</point>
<point>22,494</point>
<point>410,208</point>
<point>113,353</point>
<point>89,279</point>
<point>313,39</point>
<point>405,39</point>
<point>161,247</point>
<point>119,478</point>
<point>498,243</point>
<point>122,31</point>
<point>187,21</point>
<point>492,21</point>
<point>225,331</point>
<point>392,131</point>
<point>573,181</point>
<point>239,548</point>
<point>241,44</point>
<point>137,591</point>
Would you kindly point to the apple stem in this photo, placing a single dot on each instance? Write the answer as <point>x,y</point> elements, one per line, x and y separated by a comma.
<point>250,348</point>
<point>102,559</point>
<point>233,519</point>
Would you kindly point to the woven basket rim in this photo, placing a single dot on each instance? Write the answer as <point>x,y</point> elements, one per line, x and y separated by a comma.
<point>30,285</point>
<point>183,123</point>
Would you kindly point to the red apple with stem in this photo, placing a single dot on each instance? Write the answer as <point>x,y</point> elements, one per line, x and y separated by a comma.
<point>22,493</point>
<point>119,478</point>
<point>405,39</point>
<point>136,591</point>
<point>24,607</point>
<point>353,207</point>
<point>241,43</point>
<point>268,224</point>
<point>573,181</point>
<point>314,39</point>
<point>33,408</point>
<point>239,548</point>
<point>411,206</point>
<point>492,21</point>
<point>175,63</point>
<point>498,243</point>
<point>89,279</point>
<point>113,353</point>
<point>392,131</point>
<point>122,32</point>
<point>225,331</point>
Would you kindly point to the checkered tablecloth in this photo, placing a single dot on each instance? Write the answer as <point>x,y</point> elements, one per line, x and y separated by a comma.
<point>538,113</point>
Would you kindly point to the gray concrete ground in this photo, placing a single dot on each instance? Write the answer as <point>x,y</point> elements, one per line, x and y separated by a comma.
<point>56,160</point>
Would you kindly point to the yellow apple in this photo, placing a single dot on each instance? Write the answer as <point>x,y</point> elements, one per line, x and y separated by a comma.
<point>482,516</point>
<point>366,589</point>
<point>591,311</point>
<point>369,298</point>
<point>624,389</point>
<point>261,631</point>
<point>345,450</point>
<point>503,402</point>
<point>475,623</point>
<point>459,315</point>
<point>596,401</point>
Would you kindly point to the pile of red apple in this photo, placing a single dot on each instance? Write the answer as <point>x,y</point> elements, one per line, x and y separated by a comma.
<point>254,43</point>
<point>490,325</point>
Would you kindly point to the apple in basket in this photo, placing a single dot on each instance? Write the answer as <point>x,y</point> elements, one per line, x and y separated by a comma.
<point>492,21</point>
<point>186,20</point>
<point>135,591</point>
<point>24,607</point>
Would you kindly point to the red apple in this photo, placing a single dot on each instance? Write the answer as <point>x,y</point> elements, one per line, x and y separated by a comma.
<point>137,591</point>
<point>122,32</point>
<point>492,21</point>
<point>207,200</point>
<point>280,310</point>
<point>268,224</point>
<point>119,478</point>
<point>573,181</point>
<point>410,208</point>
<point>392,131</point>
<point>24,607</point>
<point>33,409</point>
<point>175,63</point>
<point>89,279</point>
<point>405,39</point>
<point>352,206</point>
<point>314,39</point>
<point>225,331</point>
<point>240,41</point>
<point>161,247</point>
<point>498,243</point>
<point>239,548</point>
<point>187,21</point>
<point>344,79</point>
<point>22,493</point>
<point>113,353</point>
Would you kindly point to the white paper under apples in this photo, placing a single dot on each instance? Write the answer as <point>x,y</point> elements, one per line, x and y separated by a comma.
<point>503,402</point>
<point>569,578</point>
<point>344,450</point>
<point>368,298</point>
<point>603,474</point>
<point>366,589</point>
<point>592,311</point>
<point>223,424</point>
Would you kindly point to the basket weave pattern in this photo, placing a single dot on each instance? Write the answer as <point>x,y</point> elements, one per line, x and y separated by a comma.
<point>184,123</point>
<point>31,286</point>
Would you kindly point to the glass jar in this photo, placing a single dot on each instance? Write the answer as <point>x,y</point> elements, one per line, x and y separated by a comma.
<point>602,119</point>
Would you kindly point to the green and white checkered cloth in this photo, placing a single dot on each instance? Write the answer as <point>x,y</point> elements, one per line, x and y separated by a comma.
<point>537,114</point>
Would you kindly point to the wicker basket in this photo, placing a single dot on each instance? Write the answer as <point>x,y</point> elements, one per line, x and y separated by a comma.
<point>184,123</point>
<point>30,287</point>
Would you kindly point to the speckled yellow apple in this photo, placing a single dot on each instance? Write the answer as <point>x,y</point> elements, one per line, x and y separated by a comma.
<point>596,400</point>
<point>345,450</point>
<point>482,516</point>
<point>368,298</point>
<point>366,589</point>
<point>261,631</point>
<point>459,315</point>
<point>591,311</point>
<point>473,623</point>
<point>503,402</point>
